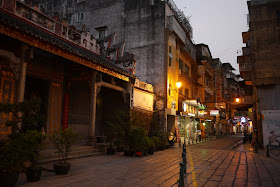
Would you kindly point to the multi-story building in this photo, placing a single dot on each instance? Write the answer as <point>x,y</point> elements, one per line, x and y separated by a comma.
<point>206,91</point>
<point>260,64</point>
<point>231,93</point>
<point>156,32</point>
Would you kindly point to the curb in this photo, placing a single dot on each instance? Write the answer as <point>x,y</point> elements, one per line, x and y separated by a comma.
<point>237,144</point>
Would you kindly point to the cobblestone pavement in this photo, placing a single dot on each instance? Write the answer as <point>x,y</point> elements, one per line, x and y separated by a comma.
<point>211,163</point>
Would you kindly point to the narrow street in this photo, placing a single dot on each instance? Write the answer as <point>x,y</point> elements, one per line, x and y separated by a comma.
<point>211,163</point>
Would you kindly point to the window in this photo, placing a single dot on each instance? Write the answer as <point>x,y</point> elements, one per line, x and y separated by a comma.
<point>187,92</point>
<point>102,31</point>
<point>180,64</point>
<point>170,55</point>
<point>206,81</point>
<point>49,6</point>
<point>278,18</point>
<point>181,90</point>
<point>70,19</point>
<point>81,16</point>
<point>187,69</point>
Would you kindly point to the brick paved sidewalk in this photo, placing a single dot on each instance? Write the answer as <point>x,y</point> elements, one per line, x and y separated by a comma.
<point>211,163</point>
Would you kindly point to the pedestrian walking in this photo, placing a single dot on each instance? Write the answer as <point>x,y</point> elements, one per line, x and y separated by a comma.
<point>199,135</point>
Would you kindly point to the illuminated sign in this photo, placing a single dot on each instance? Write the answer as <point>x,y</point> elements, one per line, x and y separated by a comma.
<point>214,112</point>
<point>243,120</point>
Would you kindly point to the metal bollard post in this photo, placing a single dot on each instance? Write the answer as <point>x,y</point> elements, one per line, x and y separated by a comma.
<point>181,179</point>
<point>256,147</point>
<point>179,141</point>
<point>184,162</point>
<point>267,151</point>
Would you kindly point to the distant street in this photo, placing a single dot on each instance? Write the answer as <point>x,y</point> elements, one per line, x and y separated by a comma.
<point>211,163</point>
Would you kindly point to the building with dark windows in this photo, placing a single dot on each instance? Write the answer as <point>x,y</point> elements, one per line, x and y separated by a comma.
<point>156,32</point>
<point>259,65</point>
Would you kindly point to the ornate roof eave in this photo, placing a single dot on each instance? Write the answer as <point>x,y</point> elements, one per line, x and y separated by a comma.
<point>34,36</point>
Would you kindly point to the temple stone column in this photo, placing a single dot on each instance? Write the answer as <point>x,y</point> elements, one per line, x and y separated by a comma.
<point>22,72</point>
<point>93,96</point>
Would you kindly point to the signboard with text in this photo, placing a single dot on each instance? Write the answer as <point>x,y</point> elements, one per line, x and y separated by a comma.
<point>214,112</point>
<point>271,127</point>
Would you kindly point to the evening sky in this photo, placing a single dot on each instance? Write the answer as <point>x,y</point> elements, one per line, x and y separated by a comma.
<point>219,24</point>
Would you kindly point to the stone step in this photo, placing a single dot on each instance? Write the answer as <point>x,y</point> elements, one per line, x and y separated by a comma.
<point>50,155</point>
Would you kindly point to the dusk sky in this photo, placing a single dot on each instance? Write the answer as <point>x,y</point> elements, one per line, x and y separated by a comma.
<point>219,24</point>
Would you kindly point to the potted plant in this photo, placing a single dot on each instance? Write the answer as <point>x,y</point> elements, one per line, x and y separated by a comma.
<point>137,140</point>
<point>115,130</point>
<point>63,141</point>
<point>155,139</point>
<point>162,141</point>
<point>14,152</point>
<point>12,159</point>
<point>152,145</point>
<point>34,143</point>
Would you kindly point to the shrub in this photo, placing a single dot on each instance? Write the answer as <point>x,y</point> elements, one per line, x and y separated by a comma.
<point>63,141</point>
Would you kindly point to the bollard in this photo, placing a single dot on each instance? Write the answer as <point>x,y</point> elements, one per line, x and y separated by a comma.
<point>181,179</point>
<point>184,162</point>
<point>256,147</point>
<point>179,141</point>
<point>267,151</point>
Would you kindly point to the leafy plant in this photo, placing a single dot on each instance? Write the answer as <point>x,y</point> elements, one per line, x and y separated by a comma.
<point>63,140</point>
<point>137,138</point>
<point>156,142</point>
<point>34,144</point>
<point>117,127</point>
<point>13,154</point>
<point>26,113</point>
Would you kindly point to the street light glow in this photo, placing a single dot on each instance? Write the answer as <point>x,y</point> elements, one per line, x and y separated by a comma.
<point>237,100</point>
<point>178,84</point>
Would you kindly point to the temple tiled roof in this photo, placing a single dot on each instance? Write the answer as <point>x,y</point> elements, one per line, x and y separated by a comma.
<point>14,22</point>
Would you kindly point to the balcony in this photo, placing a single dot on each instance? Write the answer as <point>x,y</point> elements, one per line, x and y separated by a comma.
<point>181,17</point>
<point>184,75</point>
<point>58,28</point>
<point>246,51</point>
<point>245,63</point>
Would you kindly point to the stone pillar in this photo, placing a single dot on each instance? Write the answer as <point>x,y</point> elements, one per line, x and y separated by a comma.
<point>93,96</point>
<point>21,77</point>
<point>22,74</point>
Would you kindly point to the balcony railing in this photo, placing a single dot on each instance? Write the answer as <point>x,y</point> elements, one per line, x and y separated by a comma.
<point>246,51</point>
<point>181,17</point>
<point>53,25</point>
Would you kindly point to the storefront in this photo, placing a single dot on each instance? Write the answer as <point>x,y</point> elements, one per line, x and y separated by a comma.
<point>187,123</point>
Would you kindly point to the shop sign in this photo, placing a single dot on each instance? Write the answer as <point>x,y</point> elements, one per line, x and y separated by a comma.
<point>271,127</point>
<point>201,113</point>
<point>214,112</point>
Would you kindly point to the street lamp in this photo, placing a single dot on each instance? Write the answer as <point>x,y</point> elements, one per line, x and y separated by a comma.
<point>178,84</point>
<point>237,100</point>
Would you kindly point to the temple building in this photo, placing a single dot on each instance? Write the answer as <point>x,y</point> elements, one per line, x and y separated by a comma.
<point>44,58</point>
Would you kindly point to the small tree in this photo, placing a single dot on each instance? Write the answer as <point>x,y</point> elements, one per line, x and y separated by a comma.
<point>63,141</point>
<point>34,144</point>
<point>117,127</point>
<point>25,113</point>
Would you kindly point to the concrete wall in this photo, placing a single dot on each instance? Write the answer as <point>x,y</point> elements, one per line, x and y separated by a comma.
<point>268,97</point>
<point>265,29</point>
<point>143,100</point>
